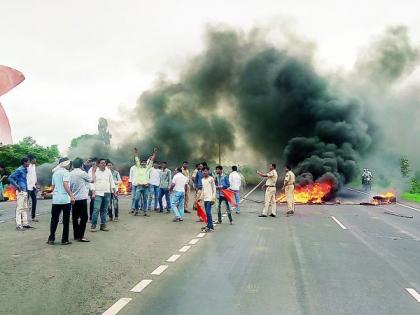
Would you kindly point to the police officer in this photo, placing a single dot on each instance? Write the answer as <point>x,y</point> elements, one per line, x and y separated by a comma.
<point>270,191</point>
<point>289,188</point>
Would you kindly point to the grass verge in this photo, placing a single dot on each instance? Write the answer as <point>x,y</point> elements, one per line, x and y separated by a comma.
<point>411,197</point>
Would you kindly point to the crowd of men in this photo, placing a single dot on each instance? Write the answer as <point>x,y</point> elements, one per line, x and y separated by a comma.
<point>87,191</point>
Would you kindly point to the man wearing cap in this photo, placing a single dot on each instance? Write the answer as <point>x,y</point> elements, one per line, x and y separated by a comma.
<point>289,188</point>
<point>62,200</point>
<point>270,191</point>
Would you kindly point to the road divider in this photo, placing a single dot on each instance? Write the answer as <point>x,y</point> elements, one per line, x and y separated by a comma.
<point>414,294</point>
<point>173,258</point>
<point>194,241</point>
<point>159,270</point>
<point>141,285</point>
<point>339,223</point>
<point>185,249</point>
<point>118,306</point>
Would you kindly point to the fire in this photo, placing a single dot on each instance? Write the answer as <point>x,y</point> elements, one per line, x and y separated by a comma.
<point>124,186</point>
<point>385,199</point>
<point>311,193</point>
<point>10,193</point>
<point>46,192</point>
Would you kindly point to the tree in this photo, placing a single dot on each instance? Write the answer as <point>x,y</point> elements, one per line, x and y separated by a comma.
<point>11,155</point>
<point>405,167</point>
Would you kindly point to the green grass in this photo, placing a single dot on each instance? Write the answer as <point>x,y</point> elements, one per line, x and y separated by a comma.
<point>411,197</point>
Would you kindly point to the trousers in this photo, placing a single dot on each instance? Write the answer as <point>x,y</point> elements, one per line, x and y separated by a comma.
<point>270,201</point>
<point>290,198</point>
<point>55,217</point>
<point>21,209</point>
<point>79,218</point>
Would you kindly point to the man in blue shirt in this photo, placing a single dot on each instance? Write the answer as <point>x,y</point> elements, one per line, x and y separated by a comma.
<point>222,182</point>
<point>18,180</point>
<point>62,200</point>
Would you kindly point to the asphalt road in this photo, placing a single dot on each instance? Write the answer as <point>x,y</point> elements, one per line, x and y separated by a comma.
<point>305,264</point>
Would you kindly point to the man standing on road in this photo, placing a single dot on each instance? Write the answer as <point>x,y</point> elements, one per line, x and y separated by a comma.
<point>19,180</point>
<point>289,188</point>
<point>186,173</point>
<point>198,184</point>
<point>79,185</point>
<point>164,184</point>
<point>93,166</point>
<point>103,187</point>
<point>132,179</point>
<point>32,185</point>
<point>179,188</point>
<point>62,200</point>
<point>208,195</point>
<point>222,182</point>
<point>270,191</point>
<point>235,181</point>
<point>114,197</point>
<point>154,182</point>
<point>143,168</point>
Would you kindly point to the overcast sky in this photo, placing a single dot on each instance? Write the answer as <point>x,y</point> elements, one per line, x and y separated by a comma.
<point>86,59</point>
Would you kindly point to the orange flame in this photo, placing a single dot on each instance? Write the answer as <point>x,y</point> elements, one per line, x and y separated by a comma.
<point>10,193</point>
<point>124,186</point>
<point>385,199</point>
<point>311,193</point>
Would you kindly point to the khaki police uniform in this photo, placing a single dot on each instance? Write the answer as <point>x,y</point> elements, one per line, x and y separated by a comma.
<point>270,193</point>
<point>289,189</point>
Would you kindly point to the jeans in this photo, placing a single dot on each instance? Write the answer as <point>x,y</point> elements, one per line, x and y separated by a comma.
<point>237,200</point>
<point>134,201</point>
<point>91,205</point>
<point>55,217</point>
<point>164,192</point>
<point>113,204</point>
<point>32,195</point>
<point>153,195</point>
<point>141,197</point>
<point>79,212</point>
<point>178,199</point>
<point>219,212</point>
<point>101,205</point>
<point>207,206</point>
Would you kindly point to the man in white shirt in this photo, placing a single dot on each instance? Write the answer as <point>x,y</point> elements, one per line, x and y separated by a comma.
<point>154,182</point>
<point>32,183</point>
<point>235,181</point>
<point>133,182</point>
<point>208,195</point>
<point>179,187</point>
<point>103,187</point>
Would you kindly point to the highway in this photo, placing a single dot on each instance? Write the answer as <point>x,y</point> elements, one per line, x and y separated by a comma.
<point>326,259</point>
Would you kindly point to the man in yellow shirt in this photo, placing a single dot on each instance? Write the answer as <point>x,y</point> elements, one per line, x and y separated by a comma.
<point>270,191</point>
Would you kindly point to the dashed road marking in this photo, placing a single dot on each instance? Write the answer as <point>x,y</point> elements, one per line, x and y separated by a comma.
<point>184,249</point>
<point>173,258</point>
<point>194,241</point>
<point>339,223</point>
<point>201,235</point>
<point>114,309</point>
<point>414,294</point>
<point>141,285</point>
<point>159,270</point>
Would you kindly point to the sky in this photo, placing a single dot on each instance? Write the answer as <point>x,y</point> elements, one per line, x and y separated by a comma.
<point>89,59</point>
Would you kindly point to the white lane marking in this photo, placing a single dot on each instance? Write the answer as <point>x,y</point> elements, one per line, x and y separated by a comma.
<point>194,241</point>
<point>141,285</point>
<point>339,223</point>
<point>159,270</point>
<point>114,309</point>
<point>200,235</point>
<point>252,190</point>
<point>2,221</point>
<point>414,294</point>
<point>184,249</point>
<point>173,258</point>
<point>405,206</point>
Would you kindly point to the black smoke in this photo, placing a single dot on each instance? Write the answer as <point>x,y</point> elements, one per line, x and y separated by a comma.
<point>243,87</point>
